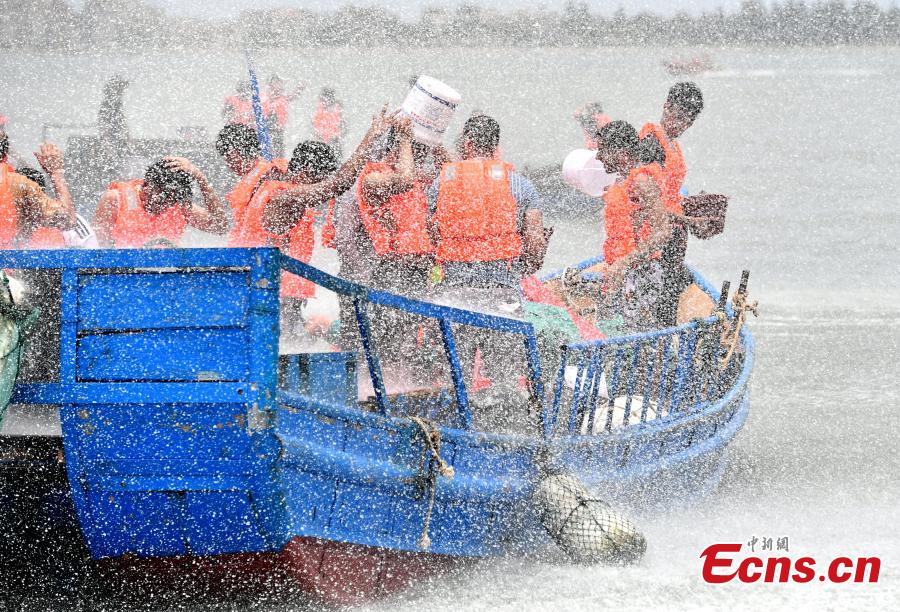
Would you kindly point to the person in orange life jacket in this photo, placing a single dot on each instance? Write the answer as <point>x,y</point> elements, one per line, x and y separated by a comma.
<point>238,107</point>
<point>81,236</point>
<point>313,179</point>
<point>659,145</point>
<point>239,148</point>
<point>487,233</point>
<point>155,210</point>
<point>394,210</point>
<point>637,226</point>
<point>276,105</point>
<point>328,121</point>
<point>591,118</point>
<point>24,207</point>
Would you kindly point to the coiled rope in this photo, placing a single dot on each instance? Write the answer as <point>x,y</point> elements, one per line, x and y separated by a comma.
<point>431,451</point>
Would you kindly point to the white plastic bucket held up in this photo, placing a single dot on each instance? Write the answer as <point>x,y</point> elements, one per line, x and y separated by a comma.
<point>583,171</point>
<point>430,104</point>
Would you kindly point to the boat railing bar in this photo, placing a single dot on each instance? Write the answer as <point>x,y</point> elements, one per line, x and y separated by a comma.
<point>672,371</point>
<point>362,296</point>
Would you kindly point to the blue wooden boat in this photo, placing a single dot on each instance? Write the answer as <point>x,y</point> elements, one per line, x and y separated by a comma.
<point>189,444</point>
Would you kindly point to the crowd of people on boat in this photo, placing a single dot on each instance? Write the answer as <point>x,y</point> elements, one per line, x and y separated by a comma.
<point>460,227</point>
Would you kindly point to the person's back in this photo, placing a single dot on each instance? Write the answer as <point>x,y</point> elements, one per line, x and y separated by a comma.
<point>488,233</point>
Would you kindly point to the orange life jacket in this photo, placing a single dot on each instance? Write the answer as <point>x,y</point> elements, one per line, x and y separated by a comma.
<point>477,215</point>
<point>407,231</point>
<point>240,195</point>
<point>674,167</point>
<point>135,227</point>
<point>327,122</point>
<point>47,238</point>
<point>242,110</point>
<point>622,238</point>
<point>298,242</point>
<point>9,214</point>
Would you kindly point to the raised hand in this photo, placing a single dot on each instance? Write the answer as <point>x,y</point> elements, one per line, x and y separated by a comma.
<point>183,164</point>
<point>49,157</point>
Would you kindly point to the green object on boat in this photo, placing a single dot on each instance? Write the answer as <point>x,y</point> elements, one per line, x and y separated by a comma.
<point>553,328</point>
<point>14,325</point>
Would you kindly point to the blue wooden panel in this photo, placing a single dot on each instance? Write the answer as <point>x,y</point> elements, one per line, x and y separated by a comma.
<point>148,524</point>
<point>151,433</point>
<point>165,355</point>
<point>221,523</point>
<point>361,513</point>
<point>310,501</point>
<point>162,300</point>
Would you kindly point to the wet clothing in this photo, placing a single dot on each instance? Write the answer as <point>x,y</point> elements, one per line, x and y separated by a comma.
<point>298,242</point>
<point>24,207</point>
<point>135,228</point>
<point>501,273</point>
<point>327,122</point>
<point>672,164</point>
<point>239,196</point>
<point>399,226</point>
<point>622,235</point>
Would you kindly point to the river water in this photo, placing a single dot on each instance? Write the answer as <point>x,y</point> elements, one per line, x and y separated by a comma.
<point>804,141</point>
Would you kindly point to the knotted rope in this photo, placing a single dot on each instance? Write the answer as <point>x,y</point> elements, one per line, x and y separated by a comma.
<point>436,465</point>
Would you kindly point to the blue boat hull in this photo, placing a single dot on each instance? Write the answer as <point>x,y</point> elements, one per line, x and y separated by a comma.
<point>180,446</point>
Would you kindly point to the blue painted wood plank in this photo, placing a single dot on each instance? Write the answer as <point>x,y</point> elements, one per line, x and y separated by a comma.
<point>165,355</point>
<point>133,393</point>
<point>221,523</point>
<point>162,300</point>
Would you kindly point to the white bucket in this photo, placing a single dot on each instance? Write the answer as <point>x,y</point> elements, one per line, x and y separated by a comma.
<point>430,104</point>
<point>583,171</point>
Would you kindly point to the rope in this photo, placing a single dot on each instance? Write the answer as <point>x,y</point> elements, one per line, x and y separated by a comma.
<point>741,308</point>
<point>436,465</point>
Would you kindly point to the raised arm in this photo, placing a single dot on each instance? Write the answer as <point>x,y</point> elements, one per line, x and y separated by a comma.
<point>378,187</point>
<point>284,210</point>
<point>212,218</point>
<point>51,160</point>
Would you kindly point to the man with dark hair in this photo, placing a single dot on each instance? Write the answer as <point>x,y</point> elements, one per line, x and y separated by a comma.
<point>155,210</point>
<point>659,146</point>
<point>488,234</point>
<point>682,107</point>
<point>281,211</point>
<point>637,227</point>
<point>240,150</point>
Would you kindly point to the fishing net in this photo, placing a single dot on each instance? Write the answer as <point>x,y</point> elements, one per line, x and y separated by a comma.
<point>14,322</point>
<point>584,526</point>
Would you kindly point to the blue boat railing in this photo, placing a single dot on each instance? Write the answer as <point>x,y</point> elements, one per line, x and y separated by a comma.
<point>630,380</point>
<point>444,316</point>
